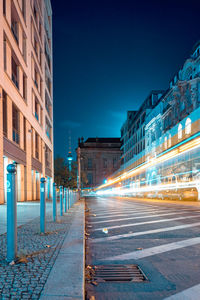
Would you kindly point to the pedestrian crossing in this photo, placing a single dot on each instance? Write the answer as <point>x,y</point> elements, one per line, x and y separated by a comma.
<point>123,222</point>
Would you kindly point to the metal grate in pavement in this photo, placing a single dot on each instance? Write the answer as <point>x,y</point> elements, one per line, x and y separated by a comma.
<point>118,273</point>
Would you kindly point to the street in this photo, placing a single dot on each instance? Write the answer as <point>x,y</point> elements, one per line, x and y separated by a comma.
<point>162,238</point>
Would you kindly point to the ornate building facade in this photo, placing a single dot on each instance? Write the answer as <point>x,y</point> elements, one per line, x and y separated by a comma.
<point>168,165</point>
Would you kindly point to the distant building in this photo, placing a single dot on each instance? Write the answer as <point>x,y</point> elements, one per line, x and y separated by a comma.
<point>133,131</point>
<point>99,158</point>
<point>26,95</point>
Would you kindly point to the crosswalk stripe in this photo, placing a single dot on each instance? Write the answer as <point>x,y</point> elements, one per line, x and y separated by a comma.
<point>127,235</point>
<point>111,215</point>
<point>138,217</point>
<point>146,222</point>
<point>188,294</point>
<point>155,250</point>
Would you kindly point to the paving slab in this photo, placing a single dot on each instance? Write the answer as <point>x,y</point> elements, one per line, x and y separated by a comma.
<point>66,279</point>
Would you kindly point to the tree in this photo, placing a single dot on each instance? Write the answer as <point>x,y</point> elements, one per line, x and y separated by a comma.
<point>62,174</point>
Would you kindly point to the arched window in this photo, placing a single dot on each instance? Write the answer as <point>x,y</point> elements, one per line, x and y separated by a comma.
<point>188,125</point>
<point>180,131</point>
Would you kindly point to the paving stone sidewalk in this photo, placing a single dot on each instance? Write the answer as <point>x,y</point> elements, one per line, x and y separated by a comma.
<point>26,279</point>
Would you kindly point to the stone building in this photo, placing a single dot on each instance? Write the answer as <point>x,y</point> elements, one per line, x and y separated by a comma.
<point>161,141</point>
<point>99,158</point>
<point>26,95</point>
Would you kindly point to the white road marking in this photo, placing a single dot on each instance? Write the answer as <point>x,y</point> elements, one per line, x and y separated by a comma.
<point>192,293</point>
<point>155,250</point>
<point>135,212</point>
<point>138,217</point>
<point>127,235</point>
<point>146,222</point>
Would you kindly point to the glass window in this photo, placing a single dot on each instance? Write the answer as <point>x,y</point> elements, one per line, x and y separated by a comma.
<point>15,124</point>
<point>180,131</point>
<point>188,126</point>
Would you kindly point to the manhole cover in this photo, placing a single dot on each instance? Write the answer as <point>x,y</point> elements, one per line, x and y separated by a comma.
<point>117,273</point>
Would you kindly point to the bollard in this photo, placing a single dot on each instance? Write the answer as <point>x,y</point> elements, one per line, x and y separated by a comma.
<point>11,214</point>
<point>54,203</point>
<point>68,190</point>
<point>65,199</point>
<point>42,206</point>
<point>61,200</point>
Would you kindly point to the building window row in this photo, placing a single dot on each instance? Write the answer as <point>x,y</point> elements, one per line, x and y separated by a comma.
<point>14,69</point>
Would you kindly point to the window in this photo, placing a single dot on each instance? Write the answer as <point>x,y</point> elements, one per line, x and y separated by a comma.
<point>105,163</point>
<point>37,146</point>
<point>4,7</point>
<point>24,48</point>
<point>47,157</point>
<point>48,129</point>
<point>5,54</point>
<point>182,106</point>
<point>24,9</point>
<point>14,28</point>
<point>36,78</point>
<point>180,131</point>
<point>15,72</point>
<point>36,109</point>
<point>90,178</point>
<point>89,163</point>
<point>24,86</point>
<point>114,163</point>
<point>15,124</point>
<point>4,113</point>
<point>188,126</point>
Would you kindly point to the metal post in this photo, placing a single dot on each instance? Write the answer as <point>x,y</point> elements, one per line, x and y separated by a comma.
<point>61,200</point>
<point>54,203</point>
<point>11,214</point>
<point>65,199</point>
<point>69,199</point>
<point>42,206</point>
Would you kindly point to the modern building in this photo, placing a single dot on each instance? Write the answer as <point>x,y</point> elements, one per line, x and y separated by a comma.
<point>26,95</point>
<point>98,158</point>
<point>161,142</point>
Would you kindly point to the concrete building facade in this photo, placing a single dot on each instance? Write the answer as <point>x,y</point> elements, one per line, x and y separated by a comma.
<point>99,158</point>
<point>26,95</point>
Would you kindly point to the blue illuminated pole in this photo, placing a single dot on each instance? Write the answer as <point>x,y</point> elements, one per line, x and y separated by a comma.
<point>65,199</point>
<point>42,206</point>
<point>11,214</point>
<point>54,203</point>
<point>68,191</point>
<point>61,200</point>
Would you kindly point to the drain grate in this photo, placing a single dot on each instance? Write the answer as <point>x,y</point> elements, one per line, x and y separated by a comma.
<point>118,273</point>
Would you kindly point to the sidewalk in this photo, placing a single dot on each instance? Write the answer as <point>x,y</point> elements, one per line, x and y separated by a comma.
<point>66,279</point>
<point>50,266</point>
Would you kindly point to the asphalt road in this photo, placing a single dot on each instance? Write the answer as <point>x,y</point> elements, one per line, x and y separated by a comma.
<point>163,239</point>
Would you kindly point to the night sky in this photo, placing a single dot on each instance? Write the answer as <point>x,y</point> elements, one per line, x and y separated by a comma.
<point>109,55</point>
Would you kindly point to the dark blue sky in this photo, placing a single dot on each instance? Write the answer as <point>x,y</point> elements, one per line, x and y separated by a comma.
<point>108,56</point>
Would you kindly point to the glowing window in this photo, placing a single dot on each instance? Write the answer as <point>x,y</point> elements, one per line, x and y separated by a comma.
<point>180,131</point>
<point>188,126</point>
